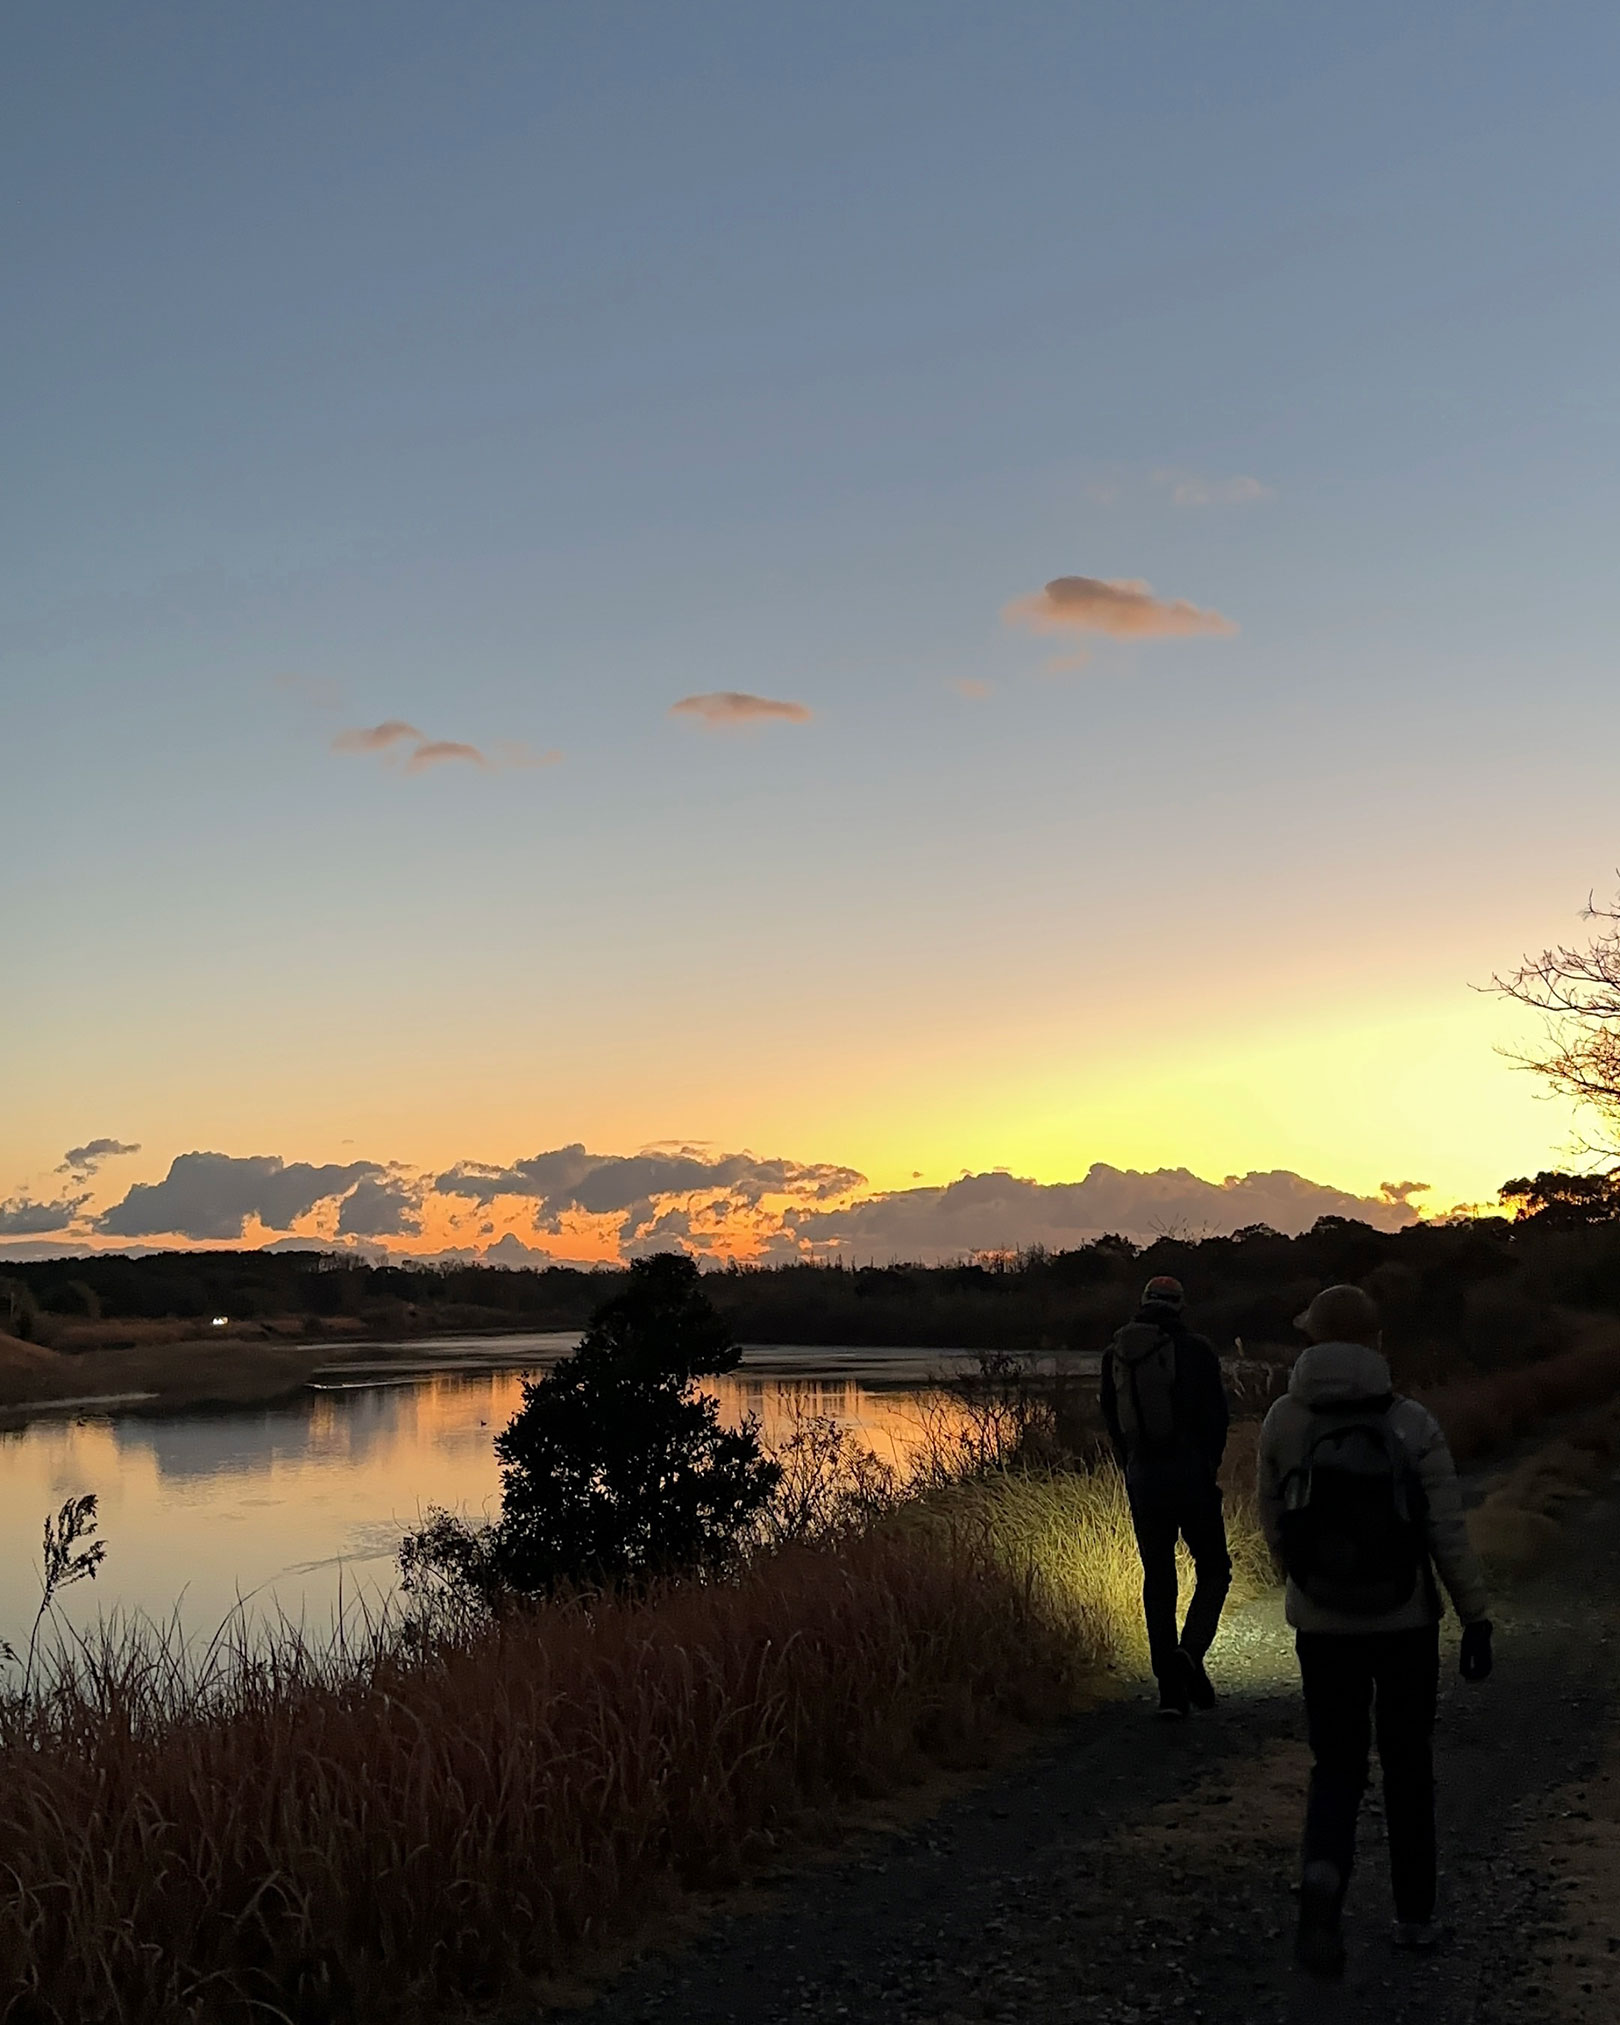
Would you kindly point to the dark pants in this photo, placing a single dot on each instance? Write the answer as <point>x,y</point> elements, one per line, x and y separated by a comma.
<point>1392,1677</point>
<point>1179,1499</point>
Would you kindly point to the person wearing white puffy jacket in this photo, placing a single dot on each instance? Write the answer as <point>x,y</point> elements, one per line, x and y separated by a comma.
<point>1359,1497</point>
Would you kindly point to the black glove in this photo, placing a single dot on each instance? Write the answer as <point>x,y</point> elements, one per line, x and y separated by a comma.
<point>1475,1661</point>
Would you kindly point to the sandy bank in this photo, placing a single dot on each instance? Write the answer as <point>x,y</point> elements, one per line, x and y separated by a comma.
<point>160,1375</point>
<point>55,1332</point>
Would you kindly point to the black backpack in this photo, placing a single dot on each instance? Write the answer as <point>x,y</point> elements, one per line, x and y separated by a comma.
<point>1354,1521</point>
<point>1144,1365</point>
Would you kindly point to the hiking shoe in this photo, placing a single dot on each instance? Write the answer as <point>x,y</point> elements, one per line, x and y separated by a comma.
<point>1319,1945</point>
<point>1175,1699</point>
<point>1200,1688</point>
<point>1417,1935</point>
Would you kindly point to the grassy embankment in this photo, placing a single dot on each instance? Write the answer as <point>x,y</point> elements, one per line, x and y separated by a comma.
<point>399,1825</point>
<point>214,1370</point>
<point>1484,1412</point>
<point>1523,1516</point>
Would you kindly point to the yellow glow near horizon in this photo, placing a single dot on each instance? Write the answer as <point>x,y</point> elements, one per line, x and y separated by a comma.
<point>1424,1092</point>
<point>1352,1095</point>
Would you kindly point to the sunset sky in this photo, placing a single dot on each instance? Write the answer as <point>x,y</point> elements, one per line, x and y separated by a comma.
<point>897,590</point>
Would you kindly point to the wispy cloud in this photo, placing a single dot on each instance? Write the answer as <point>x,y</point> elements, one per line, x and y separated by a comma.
<point>1123,607</point>
<point>723,708</point>
<point>83,1161</point>
<point>974,691</point>
<point>1187,488</point>
<point>394,735</point>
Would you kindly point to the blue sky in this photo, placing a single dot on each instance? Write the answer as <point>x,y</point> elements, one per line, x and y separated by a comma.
<point>515,372</point>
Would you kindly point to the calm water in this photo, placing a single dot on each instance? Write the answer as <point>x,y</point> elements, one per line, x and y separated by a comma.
<point>293,1506</point>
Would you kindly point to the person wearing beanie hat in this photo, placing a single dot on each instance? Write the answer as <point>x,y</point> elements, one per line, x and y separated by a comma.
<point>1359,1497</point>
<point>1165,1409</point>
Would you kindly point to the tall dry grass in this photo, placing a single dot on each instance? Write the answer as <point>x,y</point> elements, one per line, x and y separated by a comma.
<point>1069,1534</point>
<point>1485,1413</point>
<point>404,1821</point>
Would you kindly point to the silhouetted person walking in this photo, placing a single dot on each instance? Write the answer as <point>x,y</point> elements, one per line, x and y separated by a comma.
<point>1358,1494</point>
<point>1165,1408</point>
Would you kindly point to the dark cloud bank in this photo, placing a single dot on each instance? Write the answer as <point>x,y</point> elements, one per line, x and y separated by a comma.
<point>1003,1212</point>
<point>213,1195</point>
<point>687,1196</point>
<point>23,1217</point>
<point>570,1179</point>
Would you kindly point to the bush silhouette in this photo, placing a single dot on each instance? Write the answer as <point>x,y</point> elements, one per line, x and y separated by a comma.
<point>616,1469</point>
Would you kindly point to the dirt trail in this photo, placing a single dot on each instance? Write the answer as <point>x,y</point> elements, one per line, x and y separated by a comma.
<point>1127,1872</point>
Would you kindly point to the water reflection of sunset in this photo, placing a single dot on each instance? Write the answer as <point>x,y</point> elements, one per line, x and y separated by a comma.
<point>891,1422</point>
<point>301,1506</point>
<point>888,1418</point>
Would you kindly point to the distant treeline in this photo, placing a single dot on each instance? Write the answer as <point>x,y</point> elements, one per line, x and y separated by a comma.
<point>321,1286</point>
<point>1485,1294</point>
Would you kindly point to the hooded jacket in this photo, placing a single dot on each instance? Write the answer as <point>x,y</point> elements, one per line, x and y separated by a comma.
<point>1343,1375</point>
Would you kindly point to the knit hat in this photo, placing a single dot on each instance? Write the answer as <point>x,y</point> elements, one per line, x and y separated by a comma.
<point>1163,1292</point>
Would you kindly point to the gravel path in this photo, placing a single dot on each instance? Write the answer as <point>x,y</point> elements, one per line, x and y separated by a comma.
<point>1126,1871</point>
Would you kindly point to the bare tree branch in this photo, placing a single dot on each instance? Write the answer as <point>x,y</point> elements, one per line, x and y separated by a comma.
<point>1577,993</point>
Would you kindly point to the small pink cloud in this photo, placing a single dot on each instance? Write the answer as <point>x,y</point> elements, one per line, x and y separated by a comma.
<point>722,708</point>
<point>375,737</point>
<point>974,691</point>
<point>391,738</point>
<point>441,751</point>
<point>1123,607</point>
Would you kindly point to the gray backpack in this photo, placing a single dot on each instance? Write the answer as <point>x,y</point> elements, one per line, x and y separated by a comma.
<point>1144,1366</point>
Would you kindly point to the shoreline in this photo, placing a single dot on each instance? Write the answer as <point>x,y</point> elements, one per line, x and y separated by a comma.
<point>194,1374</point>
<point>260,1365</point>
<point>153,1377</point>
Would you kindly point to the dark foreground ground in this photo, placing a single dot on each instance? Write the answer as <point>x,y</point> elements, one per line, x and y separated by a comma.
<point>1125,1871</point>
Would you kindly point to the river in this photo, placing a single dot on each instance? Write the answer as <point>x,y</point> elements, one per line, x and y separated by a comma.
<point>298,1507</point>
